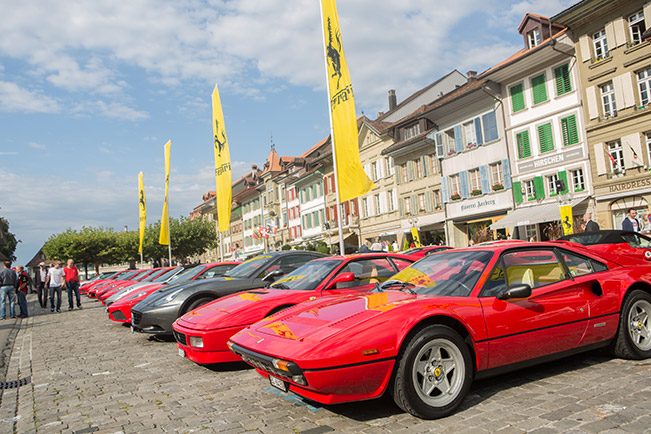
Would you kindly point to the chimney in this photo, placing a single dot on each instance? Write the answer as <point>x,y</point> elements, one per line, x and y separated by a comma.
<point>254,167</point>
<point>393,102</point>
<point>472,76</point>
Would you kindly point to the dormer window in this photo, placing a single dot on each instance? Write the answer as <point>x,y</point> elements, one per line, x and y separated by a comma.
<point>411,131</point>
<point>533,38</point>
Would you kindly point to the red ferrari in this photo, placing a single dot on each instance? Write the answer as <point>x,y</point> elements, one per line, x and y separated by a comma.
<point>420,252</point>
<point>428,332</point>
<point>202,333</point>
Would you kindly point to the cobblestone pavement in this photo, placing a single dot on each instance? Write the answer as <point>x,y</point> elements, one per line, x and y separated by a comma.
<point>89,374</point>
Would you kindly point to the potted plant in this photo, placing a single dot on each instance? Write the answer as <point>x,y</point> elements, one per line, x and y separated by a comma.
<point>471,145</point>
<point>532,198</point>
<point>498,186</point>
<point>455,196</point>
<point>451,152</point>
<point>475,192</point>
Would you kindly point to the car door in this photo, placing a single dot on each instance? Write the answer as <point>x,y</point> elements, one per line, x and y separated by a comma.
<point>367,271</point>
<point>551,320</point>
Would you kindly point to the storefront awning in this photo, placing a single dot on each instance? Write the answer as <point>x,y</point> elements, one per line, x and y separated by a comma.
<point>532,215</point>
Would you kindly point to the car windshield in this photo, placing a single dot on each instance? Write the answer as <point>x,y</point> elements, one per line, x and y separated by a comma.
<point>163,277</point>
<point>189,274</point>
<point>307,277</point>
<point>637,240</point>
<point>128,275</point>
<point>452,274</point>
<point>414,250</point>
<point>249,268</point>
<point>153,275</point>
<point>140,274</point>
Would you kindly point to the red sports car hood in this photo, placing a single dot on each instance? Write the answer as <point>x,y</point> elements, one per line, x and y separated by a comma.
<point>239,309</point>
<point>324,318</point>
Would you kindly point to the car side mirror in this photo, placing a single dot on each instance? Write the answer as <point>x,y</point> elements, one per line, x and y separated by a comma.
<point>271,276</point>
<point>521,290</point>
<point>343,277</point>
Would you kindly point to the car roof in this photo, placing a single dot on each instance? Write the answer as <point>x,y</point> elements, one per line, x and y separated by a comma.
<point>369,255</point>
<point>609,236</point>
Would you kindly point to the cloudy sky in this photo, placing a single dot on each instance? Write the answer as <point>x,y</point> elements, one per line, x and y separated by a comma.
<point>90,90</point>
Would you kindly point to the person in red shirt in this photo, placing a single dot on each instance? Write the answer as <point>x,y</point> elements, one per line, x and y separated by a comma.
<point>24,282</point>
<point>72,283</point>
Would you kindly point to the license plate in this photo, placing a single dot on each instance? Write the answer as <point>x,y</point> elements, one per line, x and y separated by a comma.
<point>181,352</point>
<point>133,330</point>
<point>278,383</point>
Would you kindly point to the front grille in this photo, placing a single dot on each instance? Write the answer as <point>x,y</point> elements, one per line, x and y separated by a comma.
<point>180,338</point>
<point>136,317</point>
<point>265,363</point>
<point>118,315</point>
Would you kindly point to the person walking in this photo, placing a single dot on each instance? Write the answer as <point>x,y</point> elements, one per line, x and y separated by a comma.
<point>41,289</point>
<point>72,283</point>
<point>364,248</point>
<point>630,223</point>
<point>377,245</point>
<point>24,282</point>
<point>55,279</point>
<point>590,225</point>
<point>8,281</point>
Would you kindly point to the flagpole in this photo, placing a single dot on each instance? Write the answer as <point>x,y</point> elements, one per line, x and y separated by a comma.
<point>342,250</point>
<point>169,245</point>
<point>221,248</point>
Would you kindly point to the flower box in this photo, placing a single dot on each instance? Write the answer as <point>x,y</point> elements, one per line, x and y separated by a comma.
<point>471,145</point>
<point>455,196</point>
<point>475,193</point>
<point>451,152</point>
<point>497,187</point>
<point>532,198</point>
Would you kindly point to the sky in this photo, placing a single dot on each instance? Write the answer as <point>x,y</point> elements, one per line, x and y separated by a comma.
<point>91,90</point>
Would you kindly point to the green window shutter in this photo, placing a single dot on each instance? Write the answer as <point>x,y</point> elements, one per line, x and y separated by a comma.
<point>524,148</point>
<point>563,175</point>
<point>545,138</point>
<point>401,207</point>
<point>539,90</point>
<point>562,77</point>
<point>569,130</point>
<point>517,98</point>
<point>396,171</point>
<point>410,170</point>
<point>517,191</point>
<point>539,186</point>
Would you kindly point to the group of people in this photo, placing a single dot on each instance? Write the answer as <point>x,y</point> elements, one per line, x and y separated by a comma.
<point>15,284</point>
<point>376,246</point>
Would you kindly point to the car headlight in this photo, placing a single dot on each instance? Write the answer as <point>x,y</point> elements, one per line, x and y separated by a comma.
<point>140,294</point>
<point>196,341</point>
<point>168,298</point>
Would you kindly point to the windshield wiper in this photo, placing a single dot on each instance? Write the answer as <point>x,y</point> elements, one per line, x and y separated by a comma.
<point>403,285</point>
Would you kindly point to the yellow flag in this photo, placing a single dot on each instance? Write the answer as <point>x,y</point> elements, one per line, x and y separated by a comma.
<point>415,237</point>
<point>142,205</point>
<point>351,177</point>
<point>164,237</point>
<point>566,219</point>
<point>223,175</point>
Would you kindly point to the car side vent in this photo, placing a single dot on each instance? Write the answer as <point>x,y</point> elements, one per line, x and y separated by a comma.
<point>596,288</point>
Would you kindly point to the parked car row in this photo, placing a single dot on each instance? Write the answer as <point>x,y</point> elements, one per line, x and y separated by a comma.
<point>336,329</point>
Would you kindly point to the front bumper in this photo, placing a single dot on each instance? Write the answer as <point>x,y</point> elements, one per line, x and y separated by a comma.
<point>330,385</point>
<point>214,348</point>
<point>157,320</point>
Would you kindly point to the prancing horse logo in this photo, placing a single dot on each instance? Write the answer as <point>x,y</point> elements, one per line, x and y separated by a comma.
<point>334,54</point>
<point>142,199</point>
<point>219,144</point>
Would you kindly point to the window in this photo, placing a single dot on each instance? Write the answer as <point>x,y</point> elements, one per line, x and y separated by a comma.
<point>637,27</point>
<point>529,190</point>
<point>496,173</point>
<point>365,207</point>
<point>450,140</point>
<point>405,174</point>
<point>378,205</point>
<point>608,100</point>
<point>374,171</point>
<point>562,78</point>
<point>419,167</point>
<point>533,267</point>
<point>407,202</point>
<point>434,161</point>
<point>569,130</point>
<point>534,38</point>
<point>367,272</point>
<point>545,139</point>
<point>600,45</point>
<point>455,185</point>
<point>412,131</point>
<point>522,140</point>
<point>644,83</point>
<point>577,265</point>
<point>421,202</point>
<point>475,180</point>
<point>390,200</point>
<point>389,166</point>
<point>616,155</point>
<point>469,133</point>
<point>578,181</point>
<point>517,98</point>
<point>437,198</point>
<point>539,89</point>
<point>551,184</point>
<point>316,218</point>
<point>647,140</point>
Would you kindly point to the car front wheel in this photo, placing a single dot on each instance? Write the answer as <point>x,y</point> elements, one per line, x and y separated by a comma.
<point>434,373</point>
<point>633,339</point>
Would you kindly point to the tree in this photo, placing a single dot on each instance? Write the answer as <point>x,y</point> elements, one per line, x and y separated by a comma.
<point>89,246</point>
<point>8,241</point>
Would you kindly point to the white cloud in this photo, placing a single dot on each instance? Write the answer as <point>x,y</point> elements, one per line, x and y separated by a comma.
<point>120,111</point>
<point>18,99</point>
<point>38,146</point>
<point>8,153</point>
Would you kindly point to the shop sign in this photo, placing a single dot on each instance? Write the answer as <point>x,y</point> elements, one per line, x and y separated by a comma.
<point>629,185</point>
<point>487,203</point>
<point>551,160</point>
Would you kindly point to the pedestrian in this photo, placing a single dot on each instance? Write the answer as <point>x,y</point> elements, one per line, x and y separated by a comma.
<point>72,283</point>
<point>590,225</point>
<point>377,245</point>
<point>55,279</point>
<point>395,246</point>
<point>365,248</point>
<point>8,283</point>
<point>24,282</point>
<point>41,289</point>
<point>630,223</point>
